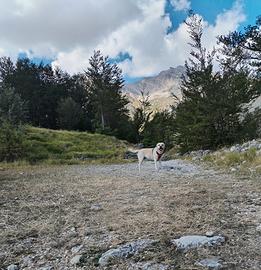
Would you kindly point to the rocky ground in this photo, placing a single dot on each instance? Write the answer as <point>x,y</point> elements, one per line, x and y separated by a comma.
<point>111,217</point>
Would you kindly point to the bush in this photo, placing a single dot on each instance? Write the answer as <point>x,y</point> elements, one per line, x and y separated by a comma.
<point>12,108</point>
<point>11,141</point>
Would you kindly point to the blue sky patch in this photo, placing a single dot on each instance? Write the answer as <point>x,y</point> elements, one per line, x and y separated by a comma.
<point>210,10</point>
<point>121,57</point>
<point>36,60</point>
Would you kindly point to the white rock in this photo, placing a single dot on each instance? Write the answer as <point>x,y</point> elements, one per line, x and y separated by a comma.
<point>76,259</point>
<point>96,207</point>
<point>76,248</point>
<point>149,266</point>
<point>125,250</point>
<point>194,241</point>
<point>209,233</point>
<point>12,267</point>
<point>258,228</point>
<point>210,263</point>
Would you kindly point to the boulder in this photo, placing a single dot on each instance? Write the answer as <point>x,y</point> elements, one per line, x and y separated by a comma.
<point>194,241</point>
<point>125,251</point>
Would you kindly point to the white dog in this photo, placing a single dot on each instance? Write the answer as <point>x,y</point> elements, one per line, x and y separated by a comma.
<point>151,154</point>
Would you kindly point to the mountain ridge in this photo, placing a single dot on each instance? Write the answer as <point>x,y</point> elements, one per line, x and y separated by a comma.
<point>159,88</point>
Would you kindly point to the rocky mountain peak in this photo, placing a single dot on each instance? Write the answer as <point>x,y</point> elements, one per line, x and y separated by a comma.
<point>159,88</point>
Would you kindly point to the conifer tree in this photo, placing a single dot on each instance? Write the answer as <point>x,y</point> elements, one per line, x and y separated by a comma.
<point>214,103</point>
<point>107,103</point>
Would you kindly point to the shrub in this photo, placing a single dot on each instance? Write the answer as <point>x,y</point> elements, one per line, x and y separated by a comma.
<point>11,141</point>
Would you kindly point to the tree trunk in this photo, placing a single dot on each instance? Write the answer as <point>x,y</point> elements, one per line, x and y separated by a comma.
<point>102,119</point>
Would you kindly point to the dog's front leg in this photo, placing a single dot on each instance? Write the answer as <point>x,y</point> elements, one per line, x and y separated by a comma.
<point>160,165</point>
<point>156,167</point>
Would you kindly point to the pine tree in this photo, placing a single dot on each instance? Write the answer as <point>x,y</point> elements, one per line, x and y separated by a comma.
<point>104,83</point>
<point>213,103</point>
<point>141,116</point>
<point>245,46</point>
<point>6,71</point>
<point>70,114</point>
<point>241,65</point>
<point>12,108</point>
<point>198,88</point>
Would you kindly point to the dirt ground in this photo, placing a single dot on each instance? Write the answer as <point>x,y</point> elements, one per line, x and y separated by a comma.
<point>50,214</point>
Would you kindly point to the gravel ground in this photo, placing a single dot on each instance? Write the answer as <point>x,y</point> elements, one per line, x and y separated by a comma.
<point>66,217</point>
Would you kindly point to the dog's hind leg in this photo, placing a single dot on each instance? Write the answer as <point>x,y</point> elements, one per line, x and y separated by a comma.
<point>140,162</point>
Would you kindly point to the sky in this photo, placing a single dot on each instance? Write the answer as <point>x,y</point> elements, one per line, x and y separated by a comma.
<point>143,37</point>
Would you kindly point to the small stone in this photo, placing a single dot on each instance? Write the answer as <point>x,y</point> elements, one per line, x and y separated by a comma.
<point>12,267</point>
<point>233,170</point>
<point>47,268</point>
<point>72,234</point>
<point>210,263</point>
<point>258,228</point>
<point>27,260</point>
<point>76,259</point>
<point>209,233</point>
<point>96,207</point>
<point>2,256</point>
<point>76,248</point>
<point>149,266</point>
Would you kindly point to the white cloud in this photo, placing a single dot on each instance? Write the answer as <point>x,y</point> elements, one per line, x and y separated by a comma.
<point>227,21</point>
<point>60,25</point>
<point>181,4</point>
<point>71,30</point>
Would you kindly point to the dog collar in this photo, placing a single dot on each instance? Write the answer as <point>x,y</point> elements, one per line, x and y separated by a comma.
<point>159,155</point>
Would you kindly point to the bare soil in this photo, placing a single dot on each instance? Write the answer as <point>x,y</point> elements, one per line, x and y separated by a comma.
<point>50,214</point>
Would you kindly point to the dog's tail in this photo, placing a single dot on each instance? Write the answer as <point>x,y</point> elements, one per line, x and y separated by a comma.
<point>134,151</point>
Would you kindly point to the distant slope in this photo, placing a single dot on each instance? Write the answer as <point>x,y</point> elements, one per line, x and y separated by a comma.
<point>159,88</point>
<point>70,147</point>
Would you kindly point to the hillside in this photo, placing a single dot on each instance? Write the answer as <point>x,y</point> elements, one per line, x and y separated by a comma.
<point>71,147</point>
<point>159,88</point>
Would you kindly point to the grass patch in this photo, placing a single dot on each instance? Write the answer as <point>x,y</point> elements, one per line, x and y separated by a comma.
<point>70,147</point>
<point>248,161</point>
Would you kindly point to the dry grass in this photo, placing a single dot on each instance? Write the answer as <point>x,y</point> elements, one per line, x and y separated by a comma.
<point>248,162</point>
<point>46,211</point>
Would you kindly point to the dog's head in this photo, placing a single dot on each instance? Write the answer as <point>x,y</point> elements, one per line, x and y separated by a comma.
<point>160,146</point>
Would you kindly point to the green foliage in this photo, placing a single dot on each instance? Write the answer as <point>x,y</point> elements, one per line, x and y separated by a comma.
<point>12,108</point>
<point>141,116</point>
<point>251,125</point>
<point>250,155</point>
<point>104,83</point>
<point>11,141</point>
<point>210,114</point>
<point>160,129</point>
<point>246,46</point>
<point>42,88</point>
<point>70,114</point>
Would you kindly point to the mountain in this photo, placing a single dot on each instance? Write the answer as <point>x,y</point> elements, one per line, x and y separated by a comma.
<point>159,87</point>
